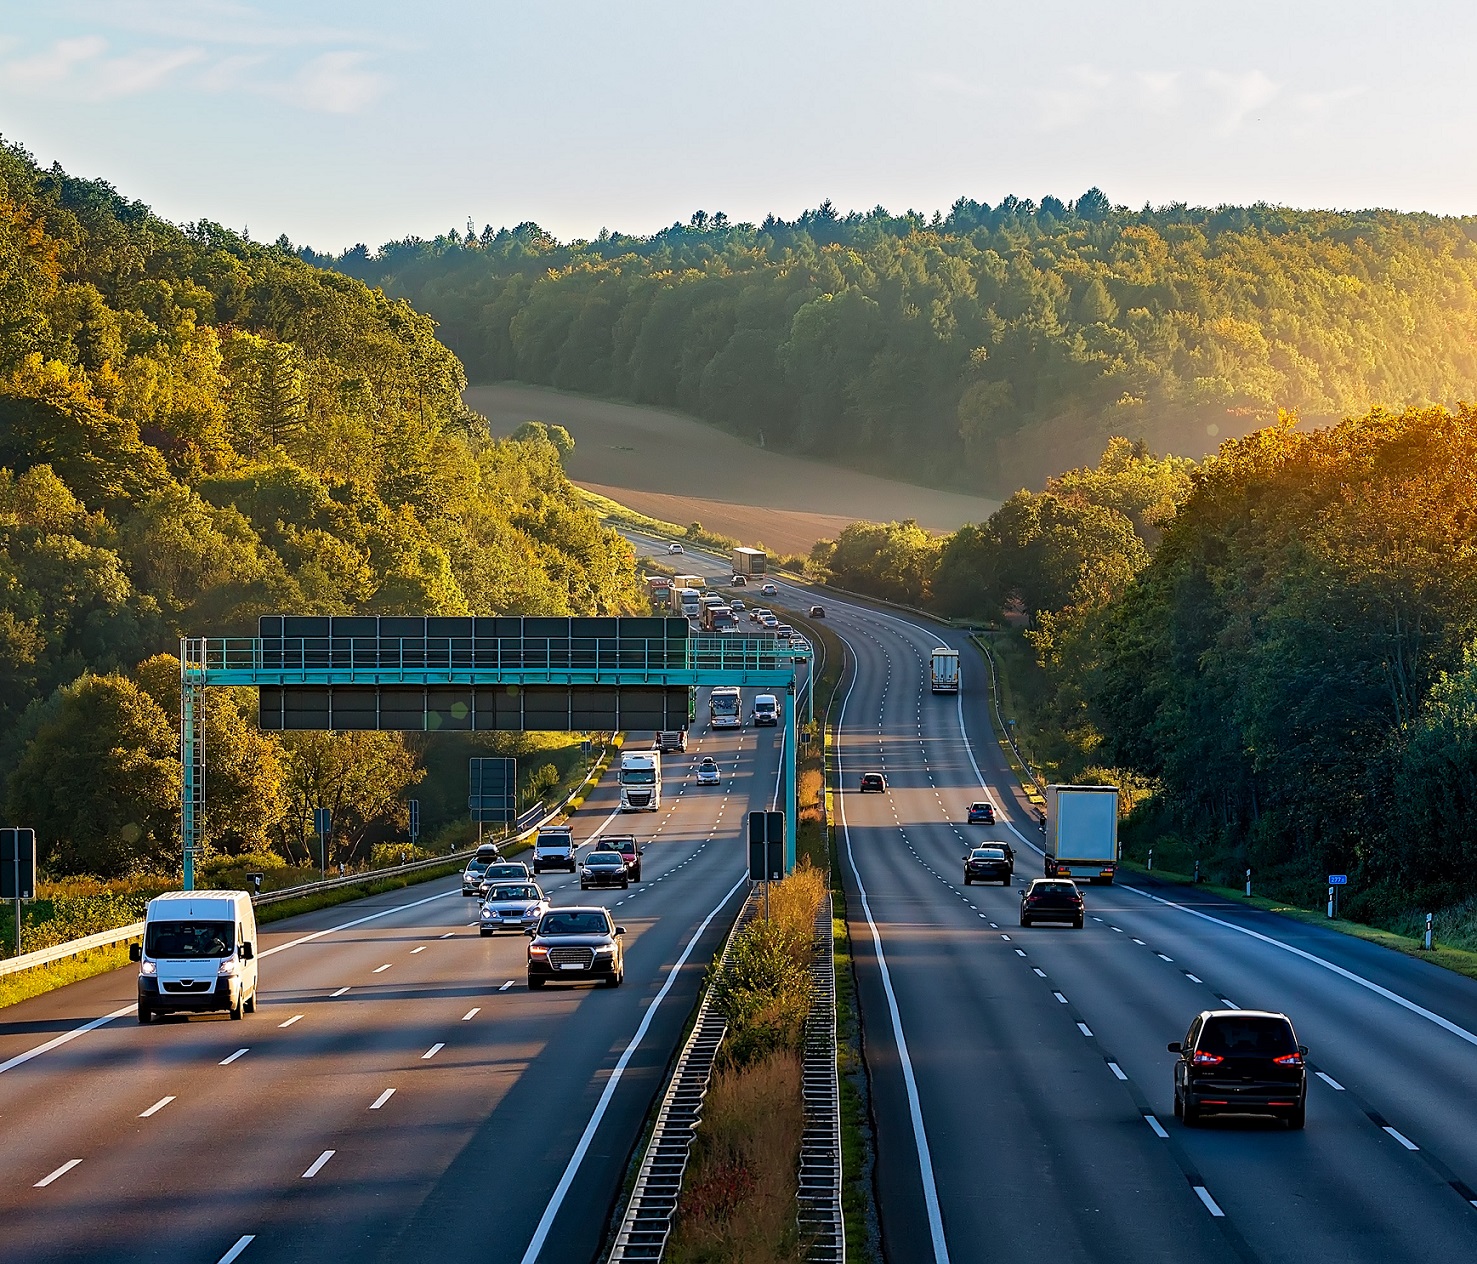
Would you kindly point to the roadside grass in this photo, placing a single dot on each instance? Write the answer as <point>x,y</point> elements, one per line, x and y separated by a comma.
<point>15,988</point>
<point>624,516</point>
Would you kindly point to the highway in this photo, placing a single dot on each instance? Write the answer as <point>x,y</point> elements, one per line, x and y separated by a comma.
<point>1021,1090</point>
<point>400,1095</point>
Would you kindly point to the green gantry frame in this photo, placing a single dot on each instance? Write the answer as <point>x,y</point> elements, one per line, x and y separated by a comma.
<point>619,660</point>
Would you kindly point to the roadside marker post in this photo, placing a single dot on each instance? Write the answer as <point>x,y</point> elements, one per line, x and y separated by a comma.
<point>1335,881</point>
<point>1428,933</point>
<point>1248,882</point>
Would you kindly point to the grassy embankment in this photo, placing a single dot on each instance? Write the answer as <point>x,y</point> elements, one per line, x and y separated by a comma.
<point>738,1200</point>
<point>623,516</point>
<point>88,905</point>
<point>1454,929</point>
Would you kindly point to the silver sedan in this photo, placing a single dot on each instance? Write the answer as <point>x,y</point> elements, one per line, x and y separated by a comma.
<point>513,906</point>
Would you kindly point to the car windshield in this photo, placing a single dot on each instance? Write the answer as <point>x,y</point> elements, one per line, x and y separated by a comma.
<point>873,778</point>
<point>989,853</point>
<point>187,940</point>
<point>1053,888</point>
<point>980,807</point>
<point>604,858</point>
<point>574,922</point>
<point>1248,1037</point>
<point>506,871</point>
<point>638,777</point>
<point>513,893</point>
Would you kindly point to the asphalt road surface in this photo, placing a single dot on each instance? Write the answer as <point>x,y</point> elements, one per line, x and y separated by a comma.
<point>1022,1093</point>
<point>400,1095</point>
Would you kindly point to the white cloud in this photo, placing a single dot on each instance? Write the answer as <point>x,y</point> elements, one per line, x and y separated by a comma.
<point>210,21</point>
<point>140,71</point>
<point>1241,95</point>
<point>54,65</point>
<point>336,83</point>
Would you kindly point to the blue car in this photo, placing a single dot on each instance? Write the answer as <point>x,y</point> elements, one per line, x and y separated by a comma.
<point>981,813</point>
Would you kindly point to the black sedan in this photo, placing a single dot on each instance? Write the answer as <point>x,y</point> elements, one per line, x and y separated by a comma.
<point>987,864</point>
<point>604,869</point>
<point>1242,1062</point>
<point>576,945</point>
<point>1052,900</point>
<point>873,782</point>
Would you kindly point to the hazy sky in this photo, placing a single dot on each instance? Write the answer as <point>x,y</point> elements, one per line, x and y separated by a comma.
<point>363,120</point>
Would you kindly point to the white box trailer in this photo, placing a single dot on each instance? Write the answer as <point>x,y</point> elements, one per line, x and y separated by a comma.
<point>943,670</point>
<point>1082,832</point>
<point>750,562</point>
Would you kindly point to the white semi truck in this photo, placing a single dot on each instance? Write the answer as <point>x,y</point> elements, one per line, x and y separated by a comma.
<point>686,603</point>
<point>1082,832</point>
<point>943,670</point>
<point>750,563</point>
<point>641,780</point>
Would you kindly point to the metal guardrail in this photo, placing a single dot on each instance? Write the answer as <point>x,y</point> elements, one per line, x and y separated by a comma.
<point>72,948</point>
<point>822,1230</point>
<point>647,1221</point>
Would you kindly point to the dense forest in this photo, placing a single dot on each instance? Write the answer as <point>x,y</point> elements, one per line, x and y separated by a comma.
<point>195,430</point>
<point>1276,649</point>
<point>989,347</point>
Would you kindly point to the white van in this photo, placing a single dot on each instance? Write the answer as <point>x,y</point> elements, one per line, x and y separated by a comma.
<point>198,954</point>
<point>766,709</point>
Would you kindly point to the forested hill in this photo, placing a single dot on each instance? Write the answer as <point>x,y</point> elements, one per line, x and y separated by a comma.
<point>194,430</point>
<point>995,345</point>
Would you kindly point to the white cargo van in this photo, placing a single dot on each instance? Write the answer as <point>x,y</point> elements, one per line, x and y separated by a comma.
<point>199,954</point>
<point>766,709</point>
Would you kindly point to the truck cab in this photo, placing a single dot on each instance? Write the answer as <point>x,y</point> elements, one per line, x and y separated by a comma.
<point>641,780</point>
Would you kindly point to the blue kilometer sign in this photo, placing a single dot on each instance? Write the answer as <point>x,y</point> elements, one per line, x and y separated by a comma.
<point>1338,879</point>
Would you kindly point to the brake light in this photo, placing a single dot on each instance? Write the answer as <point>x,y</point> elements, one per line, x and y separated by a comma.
<point>1208,1059</point>
<point>1289,1059</point>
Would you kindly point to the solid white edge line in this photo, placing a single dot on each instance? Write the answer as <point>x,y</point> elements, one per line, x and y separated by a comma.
<point>244,1241</point>
<point>61,1171</point>
<point>318,1164</point>
<point>57,1041</point>
<point>382,1099</point>
<point>546,1221</point>
<point>1210,1203</point>
<point>915,1108</point>
<point>1444,1023</point>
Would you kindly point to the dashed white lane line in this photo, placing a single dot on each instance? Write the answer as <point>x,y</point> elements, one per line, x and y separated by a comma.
<point>61,1171</point>
<point>156,1107</point>
<point>1401,1138</point>
<point>382,1099</point>
<point>1229,1003</point>
<point>1037,970</point>
<point>228,1060</point>
<point>433,1050</point>
<point>340,992</point>
<point>1117,930</point>
<point>1117,1071</point>
<point>1020,952</point>
<point>1193,978</point>
<point>290,1021</point>
<point>1139,942</point>
<point>448,934</point>
<point>1060,997</point>
<point>317,1164</point>
<point>1330,1081</point>
<point>383,968</point>
<point>471,1013</point>
<point>1157,1127</point>
<point>506,986</point>
<point>1084,1029</point>
<point>1210,1203</point>
<point>244,1241</point>
<point>1162,957</point>
<point>413,951</point>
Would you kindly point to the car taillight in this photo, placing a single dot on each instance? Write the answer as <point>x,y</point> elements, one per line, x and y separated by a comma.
<point>1289,1059</point>
<point>1208,1059</point>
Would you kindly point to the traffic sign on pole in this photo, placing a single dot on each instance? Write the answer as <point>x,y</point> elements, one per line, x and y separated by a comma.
<point>415,819</point>
<point>1338,879</point>
<point>17,871</point>
<point>766,846</point>
<point>494,790</point>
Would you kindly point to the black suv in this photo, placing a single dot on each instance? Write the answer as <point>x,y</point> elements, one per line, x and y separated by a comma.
<point>1240,1061</point>
<point>576,945</point>
<point>1052,900</point>
<point>987,864</point>
<point>603,868</point>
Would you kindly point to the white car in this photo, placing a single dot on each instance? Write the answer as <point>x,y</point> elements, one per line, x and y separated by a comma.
<point>769,621</point>
<point>769,590</point>
<point>674,548</point>
<point>707,772</point>
<point>512,906</point>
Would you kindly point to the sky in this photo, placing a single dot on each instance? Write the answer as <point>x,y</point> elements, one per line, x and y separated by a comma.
<point>344,121</point>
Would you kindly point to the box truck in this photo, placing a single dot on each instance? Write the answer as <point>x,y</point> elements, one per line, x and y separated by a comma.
<point>1082,832</point>
<point>750,562</point>
<point>943,670</point>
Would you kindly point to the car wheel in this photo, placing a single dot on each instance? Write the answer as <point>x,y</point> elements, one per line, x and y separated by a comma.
<point>1298,1116</point>
<point>238,1009</point>
<point>1077,925</point>
<point>145,1013</point>
<point>483,933</point>
<point>1179,1106</point>
<point>534,982</point>
<point>1005,881</point>
<point>1190,1113</point>
<point>624,884</point>
<point>616,980</point>
<point>251,1004</point>
<point>966,879</point>
<point>1025,921</point>
<point>636,874</point>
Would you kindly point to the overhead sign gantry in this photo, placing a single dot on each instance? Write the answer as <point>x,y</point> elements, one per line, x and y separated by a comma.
<point>428,674</point>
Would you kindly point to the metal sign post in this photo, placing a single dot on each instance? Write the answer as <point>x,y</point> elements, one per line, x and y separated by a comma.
<point>17,871</point>
<point>323,827</point>
<point>415,820</point>
<point>766,850</point>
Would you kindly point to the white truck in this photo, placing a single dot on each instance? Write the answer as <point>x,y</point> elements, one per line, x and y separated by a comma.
<point>641,780</point>
<point>943,670</point>
<point>685,603</point>
<point>1082,832</point>
<point>750,563</point>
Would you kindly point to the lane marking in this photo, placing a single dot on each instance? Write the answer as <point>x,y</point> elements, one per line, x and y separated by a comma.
<point>433,1050</point>
<point>382,1099</point>
<point>1210,1203</point>
<point>1162,957</point>
<point>413,951</point>
<point>65,1037</point>
<point>1229,1003</point>
<point>1037,970</point>
<point>1403,1140</point>
<point>244,1241</point>
<point>1140,943</point>
<point>156,1107</point>
<point>1060,997</point>
<point>317,1164</point>
<point>1330,1081</point>
<point>1020,952</point>
<point>471,1013</point>
<point>383,968</point>
<point>1117,1071</point>
<point>546,1221</point>
<point>448,934</point>
<point>1192,978</point>
<point>1084,1029</point>
<point>509,983</point>
<point>233,1057</point>
<point>61,1171</point>
<point>290,1021</point>
<point>1461,1033</point>
<point>1157,1127</point>
<point>340,992</point>
<point>915,1108</point>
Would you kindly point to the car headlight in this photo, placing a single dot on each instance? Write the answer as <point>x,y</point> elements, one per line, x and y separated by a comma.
<point>604,950</point>
<point>587,871</point>
<point>531,911</point>
<point>148,967</point>
<point>537,950</point>
<point>228,966</point>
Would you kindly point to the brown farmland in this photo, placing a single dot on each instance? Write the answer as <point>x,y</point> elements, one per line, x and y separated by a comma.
<point>669,466</point>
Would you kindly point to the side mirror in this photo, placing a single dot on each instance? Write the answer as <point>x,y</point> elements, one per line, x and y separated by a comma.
<point>1303,1049</point>
<point>620,930</point>
<point>530,932</point>
<point>135,952</point>
<point>1173,1046</point>
<point>246,952</point>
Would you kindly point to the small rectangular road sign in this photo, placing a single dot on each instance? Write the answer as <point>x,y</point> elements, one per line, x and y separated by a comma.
<point>17,864</point>
<point>766,846</point>
<point>1338,879</point>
